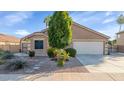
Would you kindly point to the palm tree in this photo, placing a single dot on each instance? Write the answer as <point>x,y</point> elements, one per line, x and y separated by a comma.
<point>120,21</point>
<point>47,20</point>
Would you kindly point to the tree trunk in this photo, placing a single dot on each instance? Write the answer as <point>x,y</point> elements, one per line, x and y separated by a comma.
<point>120,29</point>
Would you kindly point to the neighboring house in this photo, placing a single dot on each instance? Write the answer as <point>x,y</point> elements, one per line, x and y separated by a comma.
<point>120,41</point>
<point>9,43</point>
<point>84,40</point>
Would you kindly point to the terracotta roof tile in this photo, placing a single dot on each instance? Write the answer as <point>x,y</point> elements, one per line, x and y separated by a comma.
<point>8,38</point>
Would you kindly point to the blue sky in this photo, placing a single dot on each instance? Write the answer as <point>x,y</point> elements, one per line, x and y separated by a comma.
<point>20,24</point>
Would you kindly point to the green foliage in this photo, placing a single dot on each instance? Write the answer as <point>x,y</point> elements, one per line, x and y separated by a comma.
<point>52,52</point>
<point>2,62</point>
<point>27,40</point>
<point>31,53</point>
<point>61,57</point>
<point>60,63</point>
<point>16,65</point>
<point>47,20</point>
<point>1,52</point>
<point>59,31</point>
<point>112,42</point>
<point>7,55</point>
<point>120,19</point>
<point>71,51</point>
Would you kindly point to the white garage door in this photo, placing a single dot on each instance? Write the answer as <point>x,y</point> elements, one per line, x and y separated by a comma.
<point>88,47</point>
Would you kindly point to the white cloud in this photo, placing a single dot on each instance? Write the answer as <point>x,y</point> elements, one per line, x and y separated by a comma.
<point>109,20</point>
<point>110,30</point>
<point>22,32</point>
<point>16,17</point>
<point>108,13</point>
<point>82,16</point>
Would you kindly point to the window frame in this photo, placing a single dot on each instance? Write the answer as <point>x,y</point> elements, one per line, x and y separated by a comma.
<point>42,44</point>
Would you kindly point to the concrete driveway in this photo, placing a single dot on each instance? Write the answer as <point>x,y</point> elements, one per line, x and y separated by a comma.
<point>113,63</point>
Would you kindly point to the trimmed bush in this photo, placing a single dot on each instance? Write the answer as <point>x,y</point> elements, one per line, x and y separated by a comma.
<point>31,53</point>
<point>16,65</point>
<point>52,52</point>
<point>72,52</point>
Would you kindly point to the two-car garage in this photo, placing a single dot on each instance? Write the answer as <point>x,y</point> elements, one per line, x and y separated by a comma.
<point>89,47</point>
<point>88,41</point>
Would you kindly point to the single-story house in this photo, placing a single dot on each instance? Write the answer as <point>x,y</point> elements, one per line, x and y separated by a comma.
<point>9,43</point>
<point>120,41</point>
<point>84,40</point>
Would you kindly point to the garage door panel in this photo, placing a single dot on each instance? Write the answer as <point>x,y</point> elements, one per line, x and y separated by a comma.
<point>89,47</point>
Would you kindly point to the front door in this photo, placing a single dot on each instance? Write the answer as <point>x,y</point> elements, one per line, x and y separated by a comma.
<point>39,47</point>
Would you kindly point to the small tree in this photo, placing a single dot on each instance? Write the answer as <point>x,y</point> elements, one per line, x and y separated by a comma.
<point>47,20</point>
<point>59,31</point>
<point>120,21</point>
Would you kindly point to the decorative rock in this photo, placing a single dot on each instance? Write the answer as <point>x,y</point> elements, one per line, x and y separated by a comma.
<point>36,67</point>
<point>29,70</point>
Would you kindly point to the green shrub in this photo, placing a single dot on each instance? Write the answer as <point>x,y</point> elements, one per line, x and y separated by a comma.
<point>52,52</point>
<point>60,63</point>
<point>72,52</point>
<point>61,57</point>
<point>31,53</point>
<point>1,52</point>
<point>7,56</point>
<point>7,52</point>
<point>16,65</point>
<point>2,62</point>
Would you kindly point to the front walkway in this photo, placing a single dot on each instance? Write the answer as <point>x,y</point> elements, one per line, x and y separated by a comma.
<point>63,77</point>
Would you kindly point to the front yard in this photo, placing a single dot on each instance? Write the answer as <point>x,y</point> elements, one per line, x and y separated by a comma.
<point>37,65</point>
<point>90,67</point>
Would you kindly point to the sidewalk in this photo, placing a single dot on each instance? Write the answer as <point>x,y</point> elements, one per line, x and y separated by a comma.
<point>63,77</point>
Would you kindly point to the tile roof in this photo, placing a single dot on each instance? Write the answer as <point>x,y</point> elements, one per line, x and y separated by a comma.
<point>8,38</point>
<point>120,32</point>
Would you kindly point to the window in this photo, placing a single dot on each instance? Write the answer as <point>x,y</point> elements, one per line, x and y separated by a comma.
<point>38,44</point>
<point>118,36</point>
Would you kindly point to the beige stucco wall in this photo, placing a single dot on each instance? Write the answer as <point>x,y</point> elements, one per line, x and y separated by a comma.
<point>120,42</point>
<point>82,33</point>
<point>38,36</point>
<point>45,43</point>
<point>120,39</point>
<point>78,34</point>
